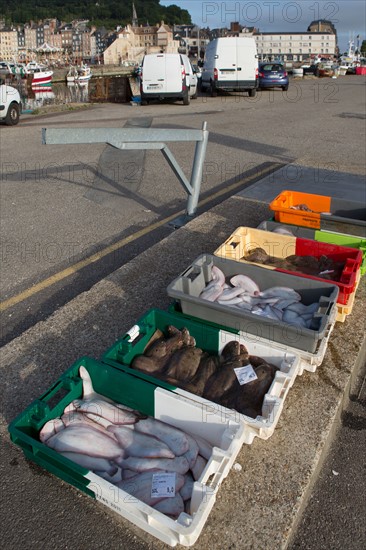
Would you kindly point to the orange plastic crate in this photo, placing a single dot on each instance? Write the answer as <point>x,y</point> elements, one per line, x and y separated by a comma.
<point>283,207</point>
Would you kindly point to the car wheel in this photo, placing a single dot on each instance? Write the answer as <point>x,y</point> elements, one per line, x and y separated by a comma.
<point>285,88</point>
<point>12,116</point>
<point>213,89</point>
<point>186,99</point>
<point>252,92</point>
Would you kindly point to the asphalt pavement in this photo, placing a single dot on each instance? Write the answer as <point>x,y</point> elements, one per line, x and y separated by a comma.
<point>61,205</point>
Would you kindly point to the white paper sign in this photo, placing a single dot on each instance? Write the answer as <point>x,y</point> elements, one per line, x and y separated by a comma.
<point>163,485</point>
<point>245,374</point>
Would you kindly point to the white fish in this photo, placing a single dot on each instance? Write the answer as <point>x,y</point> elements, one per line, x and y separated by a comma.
<point>233,301</point>
<point>179,464</point>
<point>127,474</point>
<point>264,312</point>
<point>50,428</point>
<point>86,440</point>
<point>186,490</point>
<point>116,478</point>
<point>76,418</point>
<point>172,506</point>
<point>283,231</point>
<point>139,444</point>
<point>106,410</point>
<point>191,454</point>
<point>140,487</point>
<point>91,462</point>
<point>176,440</point>
<point>246,283</point>
<point>280,292</point>
<point>231,292</point>
<point>301,308</point>
<point>90,393</point>
<point>283,303</point>
<point>205,448</point>
<point>293,318</point>
<point>217,275</point>
<point>211,293</point>
<point>198,468</point>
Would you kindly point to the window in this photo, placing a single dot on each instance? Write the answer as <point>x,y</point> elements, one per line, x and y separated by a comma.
<point>309,50</point>
<point>289,50</point>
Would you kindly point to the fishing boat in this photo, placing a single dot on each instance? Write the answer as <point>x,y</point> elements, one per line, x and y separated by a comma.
<point>41,74</point>
<point>78,74</point>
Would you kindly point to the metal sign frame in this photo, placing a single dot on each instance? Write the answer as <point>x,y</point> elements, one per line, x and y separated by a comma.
<point>143,139</point>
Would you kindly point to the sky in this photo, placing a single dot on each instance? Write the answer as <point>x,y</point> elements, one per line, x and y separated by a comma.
<point>348,16</point>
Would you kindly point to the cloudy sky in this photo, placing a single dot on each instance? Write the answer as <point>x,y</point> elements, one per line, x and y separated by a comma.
<point>348,16</point>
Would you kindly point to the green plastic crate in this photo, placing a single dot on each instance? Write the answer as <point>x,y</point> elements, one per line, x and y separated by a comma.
<point>225,435</point>
<point>212,338</point>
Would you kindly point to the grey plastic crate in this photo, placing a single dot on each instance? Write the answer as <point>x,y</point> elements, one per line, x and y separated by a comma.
<point>297,231</point>
<point>187,287</point>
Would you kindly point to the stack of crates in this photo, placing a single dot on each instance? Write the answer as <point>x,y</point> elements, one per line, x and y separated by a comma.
<point>328,220</point>
<point>289,348</point>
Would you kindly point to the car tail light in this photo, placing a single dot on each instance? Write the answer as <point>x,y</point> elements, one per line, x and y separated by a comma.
<point>216,74</point>
<point>260,74</point>
<point>284,74</point>
<point>257,73</point>
<point>183,72</point>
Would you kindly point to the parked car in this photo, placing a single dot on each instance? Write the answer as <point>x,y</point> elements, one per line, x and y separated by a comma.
<point>272,75</point>
<point>309,69</point>
<point>231,65</point>
<point>10,105</point>
<point>167,76</point>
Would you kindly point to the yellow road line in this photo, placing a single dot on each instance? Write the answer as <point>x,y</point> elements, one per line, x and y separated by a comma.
<point>57,277</point>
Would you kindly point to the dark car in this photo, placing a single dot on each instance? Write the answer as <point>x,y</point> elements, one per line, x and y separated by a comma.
<point>272,75</point>
<point>310,69</point>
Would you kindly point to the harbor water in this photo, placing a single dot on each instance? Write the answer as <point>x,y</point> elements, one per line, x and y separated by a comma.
<point>112,89</point>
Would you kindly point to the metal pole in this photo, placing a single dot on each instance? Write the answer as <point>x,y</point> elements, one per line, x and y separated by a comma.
<point>197,169</point>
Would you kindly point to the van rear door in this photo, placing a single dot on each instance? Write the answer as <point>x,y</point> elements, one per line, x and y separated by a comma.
<point>162,73</point>
<point>227,61</point>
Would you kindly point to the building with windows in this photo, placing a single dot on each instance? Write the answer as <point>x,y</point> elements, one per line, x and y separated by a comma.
<point>8,44</point>
<point>295,46</point>
<point>192,40</point>
<point>132,43</point>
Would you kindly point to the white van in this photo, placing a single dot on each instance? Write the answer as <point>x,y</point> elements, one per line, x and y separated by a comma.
<point>167,76</point>
<point>231,64</point>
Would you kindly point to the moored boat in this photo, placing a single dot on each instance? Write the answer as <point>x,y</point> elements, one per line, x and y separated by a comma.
<point>41,74</point>
<point>78,74</point>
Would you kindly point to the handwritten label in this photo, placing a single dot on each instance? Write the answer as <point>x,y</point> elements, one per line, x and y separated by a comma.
<point>163,485</point>
<point>245,374</point>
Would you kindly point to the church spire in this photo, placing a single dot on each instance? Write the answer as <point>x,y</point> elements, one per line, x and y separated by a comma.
<point>134,16</point>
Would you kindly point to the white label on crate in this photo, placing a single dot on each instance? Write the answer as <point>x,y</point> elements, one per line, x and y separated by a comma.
<point>245,374</point>
<point>133,332</point>
<point>163,485</point>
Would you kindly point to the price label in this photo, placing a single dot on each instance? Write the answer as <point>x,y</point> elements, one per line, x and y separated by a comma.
<point>245,374</point>
<point>163,485</point>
